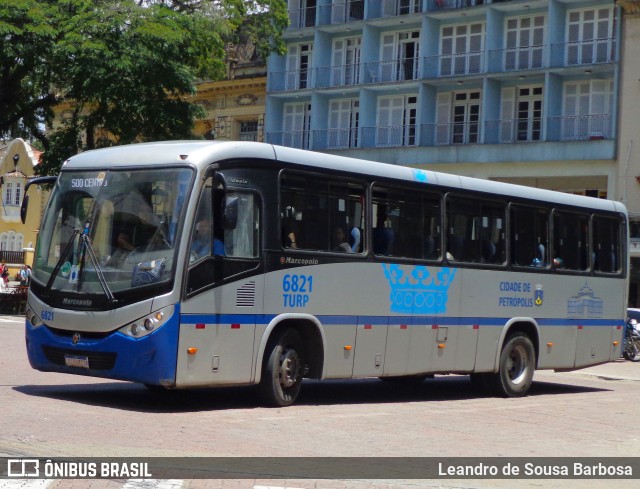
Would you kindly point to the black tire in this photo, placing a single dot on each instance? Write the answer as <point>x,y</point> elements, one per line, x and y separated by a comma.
<point>516,367</point>
<point>282,369</point>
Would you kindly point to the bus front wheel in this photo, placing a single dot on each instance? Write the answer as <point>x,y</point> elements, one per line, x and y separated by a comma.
<point>282,369</point>
<point>517,364</point>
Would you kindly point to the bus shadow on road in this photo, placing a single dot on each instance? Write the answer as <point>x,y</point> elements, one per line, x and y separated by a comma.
<point>137,398</point>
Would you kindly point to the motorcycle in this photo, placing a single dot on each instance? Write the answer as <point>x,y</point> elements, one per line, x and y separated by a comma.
<point>631,343</point>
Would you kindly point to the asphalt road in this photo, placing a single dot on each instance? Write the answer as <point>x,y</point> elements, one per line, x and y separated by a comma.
<point>587,413</point>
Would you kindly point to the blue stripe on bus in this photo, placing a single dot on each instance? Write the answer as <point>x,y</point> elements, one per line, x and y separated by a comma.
<point>263,319</point>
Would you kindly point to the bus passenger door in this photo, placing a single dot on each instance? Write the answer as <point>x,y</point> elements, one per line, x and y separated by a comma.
<point>371,338</point>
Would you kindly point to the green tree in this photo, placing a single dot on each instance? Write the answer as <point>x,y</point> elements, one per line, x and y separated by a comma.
<point>125,67</point>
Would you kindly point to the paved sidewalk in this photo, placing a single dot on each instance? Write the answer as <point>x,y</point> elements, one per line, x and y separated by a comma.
<point>621,369</point>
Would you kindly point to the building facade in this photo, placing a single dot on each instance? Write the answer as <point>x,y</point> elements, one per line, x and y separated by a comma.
<point>518,91</point>
<point>542,93</point>
<point>234,107</point>
<point>628,181</point>
<point>17,240</point>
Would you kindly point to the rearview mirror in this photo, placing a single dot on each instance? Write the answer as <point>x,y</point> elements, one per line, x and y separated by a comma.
<point>49,180</point>
<point>230,212</point>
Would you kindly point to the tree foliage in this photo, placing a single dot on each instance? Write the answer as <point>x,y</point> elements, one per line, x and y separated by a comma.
<point>123,67</point>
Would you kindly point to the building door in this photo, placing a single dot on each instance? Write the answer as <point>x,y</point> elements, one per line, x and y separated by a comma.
<point>298,66</point>
<point>525,43</point>
<point>344,117</point>
<point>590,36</point>
<point>296,127</point>
<point>396,121</point>
<point>461,49</point>
<point>466,117</point>
<point>346,61</point>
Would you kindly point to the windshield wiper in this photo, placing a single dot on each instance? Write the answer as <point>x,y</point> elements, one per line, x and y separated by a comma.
<point>63,255</point>
<point>84,239</point>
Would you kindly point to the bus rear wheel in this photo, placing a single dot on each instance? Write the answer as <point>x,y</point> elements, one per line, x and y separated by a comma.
<point>516,367</point>
<point>282,369</point>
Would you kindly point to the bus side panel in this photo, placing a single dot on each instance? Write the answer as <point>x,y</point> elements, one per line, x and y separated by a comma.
<point>487,347</point>
<point>340,335</point>
<point>408,343</point>
<point>223,352</point>
<point>593,345</point>
<point>371,339</point>
<point>557,345</point>
<point>218,334</point>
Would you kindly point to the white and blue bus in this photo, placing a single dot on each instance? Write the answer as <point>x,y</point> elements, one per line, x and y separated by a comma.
<point>203,264</point>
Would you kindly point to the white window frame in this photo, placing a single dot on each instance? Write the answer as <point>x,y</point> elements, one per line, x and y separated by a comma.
<point>462,50</point>
<point>396,123</point>
<point>589,34</point>
<point>296,125</point>
<point>524,44</point>
<point>344,117</point>
<point>345,69</point>
<point>587,109</point>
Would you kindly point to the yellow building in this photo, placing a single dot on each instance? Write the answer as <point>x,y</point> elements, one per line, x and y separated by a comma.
<point>234,106</point>
<point>17,241</point>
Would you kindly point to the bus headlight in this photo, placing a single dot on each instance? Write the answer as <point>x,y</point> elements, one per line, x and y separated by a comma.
<point>33,318</point>
<point>145,325</point>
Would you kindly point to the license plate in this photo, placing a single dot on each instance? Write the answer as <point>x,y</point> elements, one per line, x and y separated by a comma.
<point>82,362</point>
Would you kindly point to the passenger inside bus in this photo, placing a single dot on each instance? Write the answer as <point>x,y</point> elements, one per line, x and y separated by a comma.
<point>354,239</point>
<point>383,236</point>
<point>201,244</point>
<point>340,242</point>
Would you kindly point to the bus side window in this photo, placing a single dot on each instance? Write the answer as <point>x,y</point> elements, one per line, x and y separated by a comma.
<point>571,247</point>
<point>316,210</point>
<point>606,238</point>
<point>476,230</point>
<point>529,236</point>
<point>406,223</point>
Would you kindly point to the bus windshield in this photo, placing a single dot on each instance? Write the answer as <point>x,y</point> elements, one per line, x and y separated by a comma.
<point>106,232</point>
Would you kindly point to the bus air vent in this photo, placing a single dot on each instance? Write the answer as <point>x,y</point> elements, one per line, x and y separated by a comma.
<point>246,295</point>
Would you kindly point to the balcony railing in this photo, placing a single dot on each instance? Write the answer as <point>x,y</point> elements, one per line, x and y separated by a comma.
<point>11,256</point>
<point>391,8</point>
<point>513,130</point>
<point>435,5</point>
<point>301,18</point>
<point>337,76</point>
<point>388,136</point>
<point>392,71</point>
<point>580,127</point>
<point>521,58</point>
<point>444,134</point>
<point>507,131</point>
<point>281,81</point>
<point>336,138</point>
<point>339,13</point>
<point>290,139</point>
<point>596,51</point>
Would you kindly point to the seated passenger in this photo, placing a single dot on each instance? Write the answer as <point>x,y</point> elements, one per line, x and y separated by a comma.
<point>339,242</point>
<point>354,240</point>
<point>201,244</point>
<point>383,237</point>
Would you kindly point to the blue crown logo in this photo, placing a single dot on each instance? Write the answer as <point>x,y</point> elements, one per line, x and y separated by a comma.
<point>418,292</point>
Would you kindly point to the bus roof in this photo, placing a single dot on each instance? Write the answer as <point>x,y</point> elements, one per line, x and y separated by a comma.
<point>202,153</point>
